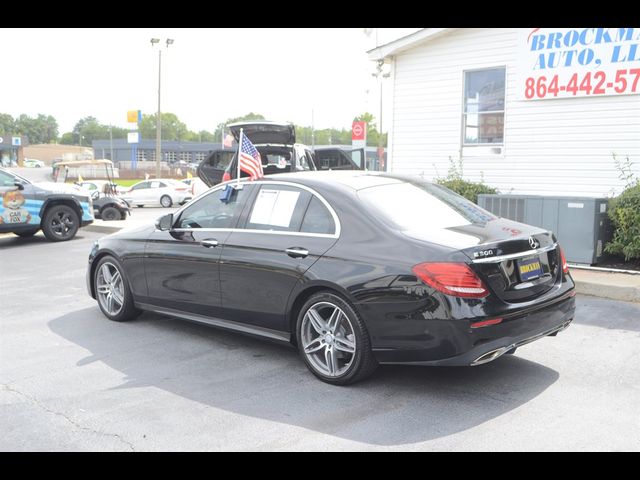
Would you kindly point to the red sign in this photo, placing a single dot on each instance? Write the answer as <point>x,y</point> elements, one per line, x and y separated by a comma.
<point>359,131</point>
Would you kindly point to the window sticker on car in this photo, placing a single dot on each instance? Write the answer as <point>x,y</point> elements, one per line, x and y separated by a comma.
<point>274,207</point>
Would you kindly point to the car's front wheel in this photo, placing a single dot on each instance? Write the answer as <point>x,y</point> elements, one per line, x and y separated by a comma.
<point>112,291</point>
<point>333,340</point>
<point>60,223</point>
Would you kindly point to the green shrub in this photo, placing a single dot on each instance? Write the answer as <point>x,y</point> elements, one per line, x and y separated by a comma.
<point>455,181</point>
<point>467,189</point>
<point>624,212</point>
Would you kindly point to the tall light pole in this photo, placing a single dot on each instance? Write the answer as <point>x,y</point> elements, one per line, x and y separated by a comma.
<point>379,75</point>
<point>168,42</point>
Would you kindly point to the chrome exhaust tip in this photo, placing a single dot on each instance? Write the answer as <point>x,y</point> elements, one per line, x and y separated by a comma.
<point>490,356</point>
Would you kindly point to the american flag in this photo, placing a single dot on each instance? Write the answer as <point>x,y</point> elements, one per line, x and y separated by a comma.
<point>250,161</point>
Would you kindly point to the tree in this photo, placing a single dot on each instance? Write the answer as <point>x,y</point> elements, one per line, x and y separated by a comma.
<point>42,129</point>
<point>172,128</point>
<point>372,131</point>
<point>7,124</point>
<point>67,138</point>
<point>89,129</point>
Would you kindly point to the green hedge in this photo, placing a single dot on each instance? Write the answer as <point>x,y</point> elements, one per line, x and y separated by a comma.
<point>469,190</point>
<point>624,212</point>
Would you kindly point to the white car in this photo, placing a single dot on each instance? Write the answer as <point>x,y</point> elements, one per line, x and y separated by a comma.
<point>163,192</point>
<point>33,163</point>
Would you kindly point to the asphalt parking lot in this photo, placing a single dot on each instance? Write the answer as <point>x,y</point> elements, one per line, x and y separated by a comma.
<point>72,380</point>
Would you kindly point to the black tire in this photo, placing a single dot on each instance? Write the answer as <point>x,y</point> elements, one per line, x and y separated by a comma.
<point>166,201</point>
<point>128,311</point>
<point>362,363</point>
<point>60,223</point>
<point>110,213</point>
<point>27,233</point>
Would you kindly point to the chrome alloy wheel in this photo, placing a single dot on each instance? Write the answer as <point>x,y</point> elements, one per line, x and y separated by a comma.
<point>328,339</point>
<point>110,288</point>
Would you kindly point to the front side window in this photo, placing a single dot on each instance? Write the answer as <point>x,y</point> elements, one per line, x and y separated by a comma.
<point>214,211</point>
<point>483,110</point>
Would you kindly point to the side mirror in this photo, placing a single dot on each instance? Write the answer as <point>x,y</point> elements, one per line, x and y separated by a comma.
<point>95,195</point>
<point>165,222</point>
<point>19,184</point>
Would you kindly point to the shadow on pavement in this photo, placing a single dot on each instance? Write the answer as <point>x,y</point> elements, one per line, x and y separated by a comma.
<point>243,375</point>
<point>589,312</point>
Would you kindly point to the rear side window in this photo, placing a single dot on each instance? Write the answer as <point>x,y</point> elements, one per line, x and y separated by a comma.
<point>278,208</point>
<point>318,219</point>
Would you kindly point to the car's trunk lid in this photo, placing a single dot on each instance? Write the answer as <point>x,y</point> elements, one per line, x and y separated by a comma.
<point>263,132</point>
<point>518,262</point>
<point>519,265</point>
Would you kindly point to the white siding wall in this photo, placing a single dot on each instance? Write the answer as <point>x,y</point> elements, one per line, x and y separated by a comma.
<point>555,147</point>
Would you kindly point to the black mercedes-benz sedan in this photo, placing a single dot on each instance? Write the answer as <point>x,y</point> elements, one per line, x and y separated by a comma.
<point>353,268</point>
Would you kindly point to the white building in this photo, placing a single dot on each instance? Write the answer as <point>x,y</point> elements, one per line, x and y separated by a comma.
<point>538,111</point>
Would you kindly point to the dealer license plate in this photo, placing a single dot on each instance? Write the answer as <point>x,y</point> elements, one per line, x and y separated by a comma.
<point>529,268</point>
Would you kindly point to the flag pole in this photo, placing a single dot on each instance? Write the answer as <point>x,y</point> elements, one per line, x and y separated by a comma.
<point>238,155</point>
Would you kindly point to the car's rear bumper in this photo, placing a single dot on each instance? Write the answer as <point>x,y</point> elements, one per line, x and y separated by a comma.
<point>456,343</point>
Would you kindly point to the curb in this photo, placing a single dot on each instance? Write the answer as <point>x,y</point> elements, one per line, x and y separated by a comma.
<point>605,290</point>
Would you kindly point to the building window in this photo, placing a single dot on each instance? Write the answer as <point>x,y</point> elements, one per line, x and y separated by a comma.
<point>200,156</point>
<point>170,157</point>
<point>185,157</point>
<point>483,114</point>
<point>141,155</point>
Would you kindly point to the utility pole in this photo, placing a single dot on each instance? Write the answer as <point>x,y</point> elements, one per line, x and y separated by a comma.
<point>111,141</point>
<point>154,41</point>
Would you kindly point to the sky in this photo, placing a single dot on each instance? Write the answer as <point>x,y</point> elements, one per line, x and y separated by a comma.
<point>208,75</point>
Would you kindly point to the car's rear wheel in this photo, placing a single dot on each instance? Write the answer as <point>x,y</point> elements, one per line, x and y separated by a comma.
<point>166,201</point>
<point>110,214</point>
<point>113,292</point>
<point>27,233</point>
<point>60,223</point>
<point>333,340</point>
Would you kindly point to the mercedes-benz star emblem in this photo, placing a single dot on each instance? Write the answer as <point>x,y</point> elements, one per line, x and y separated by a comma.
<point>534,243</point>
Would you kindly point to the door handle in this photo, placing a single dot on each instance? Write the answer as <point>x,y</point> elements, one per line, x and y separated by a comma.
<point>209,243</point>
<point>297,252</point>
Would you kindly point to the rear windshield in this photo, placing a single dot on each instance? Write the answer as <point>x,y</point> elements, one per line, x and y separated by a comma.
<point>421,206</point>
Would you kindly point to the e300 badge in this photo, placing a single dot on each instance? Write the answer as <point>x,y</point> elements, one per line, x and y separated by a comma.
<point>483,253</point>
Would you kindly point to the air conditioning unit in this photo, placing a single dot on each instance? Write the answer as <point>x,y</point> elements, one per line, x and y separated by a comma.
<point>581,224</point>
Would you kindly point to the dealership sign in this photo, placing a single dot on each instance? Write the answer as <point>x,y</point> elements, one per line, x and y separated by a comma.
<point>578,62</point>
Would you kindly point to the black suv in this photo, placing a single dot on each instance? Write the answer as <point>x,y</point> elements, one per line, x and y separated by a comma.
<point>279,151</point>
<point>56,209</point>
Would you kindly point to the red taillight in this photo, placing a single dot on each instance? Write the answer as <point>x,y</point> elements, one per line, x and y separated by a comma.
<point>563,261</point>
<point>226,177</point>
<point>455,279</point>
<point>486,323</point>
